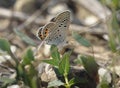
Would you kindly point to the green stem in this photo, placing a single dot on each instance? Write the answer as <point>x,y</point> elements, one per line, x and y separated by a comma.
<point>66,81</point>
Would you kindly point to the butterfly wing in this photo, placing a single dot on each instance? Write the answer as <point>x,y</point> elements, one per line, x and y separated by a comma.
<point>40,34</point>
<point>58,33</point>
<point>44,31</point>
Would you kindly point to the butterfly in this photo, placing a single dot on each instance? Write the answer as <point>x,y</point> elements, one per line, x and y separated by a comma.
<point>55,32</point>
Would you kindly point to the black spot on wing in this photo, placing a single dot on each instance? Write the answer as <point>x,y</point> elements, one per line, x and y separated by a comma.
<point>59,25</point>
<point>65,26</point>
<point>64,20</point>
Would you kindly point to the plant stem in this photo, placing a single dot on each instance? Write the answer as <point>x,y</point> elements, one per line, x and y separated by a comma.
<point>66,81</point>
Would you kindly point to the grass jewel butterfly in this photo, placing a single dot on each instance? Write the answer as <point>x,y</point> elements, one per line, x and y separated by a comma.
<point>55,32</point>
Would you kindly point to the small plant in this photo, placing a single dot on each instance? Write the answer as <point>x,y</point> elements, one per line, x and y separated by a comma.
<point>61,67</point>
<point>29,76</point>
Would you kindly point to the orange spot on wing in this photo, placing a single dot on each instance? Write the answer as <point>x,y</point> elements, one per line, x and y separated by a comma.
<point>46,32</point>
<point>40,35</point>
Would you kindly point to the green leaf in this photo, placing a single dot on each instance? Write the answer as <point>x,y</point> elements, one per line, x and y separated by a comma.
<point>31,72</point>
<point>113,34</point>
<point>54,53</point>
<point>55,57</point>
<point>5,46</point>
<point>78,80</point>
<point>81,40</point>
<point>52,62</point>
<point>103,84</point>
<point>78,60</point>
<point>90,65</point>
<point>34,82</point>
<point>28,57</point>
<point>24,37</point>
<point>20,70</point>
<point>73,81</point>
<point>55,83</point>
<point>64,65</point>
<point>6,80</point>
<point>57,72</point>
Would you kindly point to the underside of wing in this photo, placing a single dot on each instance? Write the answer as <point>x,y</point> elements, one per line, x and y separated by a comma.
<point>59,31</point>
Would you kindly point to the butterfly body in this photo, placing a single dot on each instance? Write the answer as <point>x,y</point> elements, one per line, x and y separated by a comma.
<point>55,32</point>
